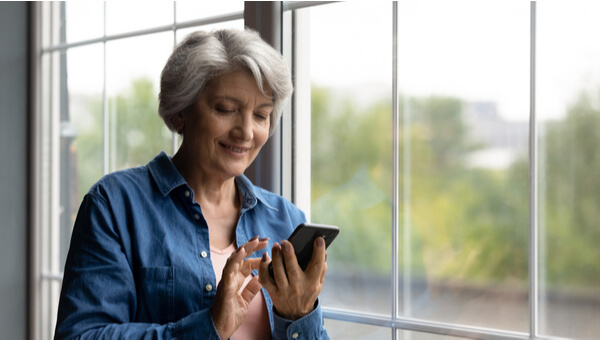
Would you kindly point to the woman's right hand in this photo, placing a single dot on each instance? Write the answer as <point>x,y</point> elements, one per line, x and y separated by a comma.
<point>231,302</point>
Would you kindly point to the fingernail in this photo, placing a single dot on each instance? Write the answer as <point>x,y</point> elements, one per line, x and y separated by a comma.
<point>276,250</point>
<point>264,239</point>
<point>265,257</point>
<point>239,249</point>
<point>254,238</point>
<point>285,245</point>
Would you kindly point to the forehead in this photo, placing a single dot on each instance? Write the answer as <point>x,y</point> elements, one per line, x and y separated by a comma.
<point>239,84</point>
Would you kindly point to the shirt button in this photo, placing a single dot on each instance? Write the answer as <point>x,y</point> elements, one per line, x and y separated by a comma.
<point>295,336</point>
<point>203,254</point>
<point>196,216</point>
<point>208,287</point>
<point>187,193</point>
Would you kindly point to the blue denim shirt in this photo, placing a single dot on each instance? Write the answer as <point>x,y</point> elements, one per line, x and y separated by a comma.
<point>139,261</point>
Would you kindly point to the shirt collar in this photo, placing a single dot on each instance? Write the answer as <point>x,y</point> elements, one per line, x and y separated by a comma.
<point>165,174</point>
<point>250,194</point>
<point>167,178</point>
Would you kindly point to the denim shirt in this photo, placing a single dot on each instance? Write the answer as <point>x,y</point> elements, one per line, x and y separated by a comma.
<point>139,262</point>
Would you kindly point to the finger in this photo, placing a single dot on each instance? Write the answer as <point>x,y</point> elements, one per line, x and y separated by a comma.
<point>315,266</point>
<point>323,272</point>
<point>236,258</point>
<point>255,244</point>
<point>251,289</point>
<point>279,270</point>
<point>263,272</point>
<point>292,268</point>
<point>249,265</point>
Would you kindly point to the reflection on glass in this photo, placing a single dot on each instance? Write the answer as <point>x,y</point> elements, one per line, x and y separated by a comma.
<point>192,10</point>
<point>356,331</point>
<point>464,83</point>
<point>136,131</point>
<point>128,16</point>
<point>568,104</point>
<point>351,127</point>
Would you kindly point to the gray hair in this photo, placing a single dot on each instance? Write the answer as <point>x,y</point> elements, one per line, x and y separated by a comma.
<point>202,56</point>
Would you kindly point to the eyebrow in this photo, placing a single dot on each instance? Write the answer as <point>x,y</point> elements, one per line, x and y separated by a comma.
<point>237,101</point>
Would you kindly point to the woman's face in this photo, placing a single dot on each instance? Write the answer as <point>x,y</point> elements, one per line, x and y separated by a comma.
<point>229,124</point>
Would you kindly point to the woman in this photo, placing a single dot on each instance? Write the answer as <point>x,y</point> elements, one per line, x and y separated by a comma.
<point>151,244</point>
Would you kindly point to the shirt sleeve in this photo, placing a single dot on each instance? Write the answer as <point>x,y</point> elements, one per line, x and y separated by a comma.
<point>308,327</point>
<point>98,298</point>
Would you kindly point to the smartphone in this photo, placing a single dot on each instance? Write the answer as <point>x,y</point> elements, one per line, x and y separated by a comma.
<point>303,240</point>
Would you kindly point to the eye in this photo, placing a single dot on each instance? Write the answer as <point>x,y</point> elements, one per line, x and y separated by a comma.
<point>224,110</point>
<point>261,116</point>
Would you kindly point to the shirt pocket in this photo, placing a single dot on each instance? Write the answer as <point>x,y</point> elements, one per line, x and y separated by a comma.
<point>156,294</point>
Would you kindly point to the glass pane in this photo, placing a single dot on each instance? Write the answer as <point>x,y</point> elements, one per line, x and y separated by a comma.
<point>128,16</point>
<point>192,9</point>
<point>568,107</point>
<point>351,154</point>
<point>464,83</point>
<point>237,24</point>
<point>136,131</point>
<point>81,126</point>
<point>356,331</point>
<point>84,20</point>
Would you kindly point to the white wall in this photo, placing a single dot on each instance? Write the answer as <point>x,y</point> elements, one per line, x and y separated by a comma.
<point>13,169</point>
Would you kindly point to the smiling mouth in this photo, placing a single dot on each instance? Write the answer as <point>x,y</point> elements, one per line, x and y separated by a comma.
<point>235,149</point>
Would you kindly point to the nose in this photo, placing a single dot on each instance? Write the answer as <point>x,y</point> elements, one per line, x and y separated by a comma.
<point>244,129</point>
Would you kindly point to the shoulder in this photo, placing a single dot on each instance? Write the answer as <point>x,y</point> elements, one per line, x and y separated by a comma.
<point>273,200</point>
<point>122,181</point>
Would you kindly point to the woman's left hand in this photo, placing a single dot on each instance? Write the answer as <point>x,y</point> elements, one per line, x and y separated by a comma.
<point>292,290</point>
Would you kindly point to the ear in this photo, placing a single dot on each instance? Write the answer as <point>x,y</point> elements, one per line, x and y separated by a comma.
<point>178,122</point>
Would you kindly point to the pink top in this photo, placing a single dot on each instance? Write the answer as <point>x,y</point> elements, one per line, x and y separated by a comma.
<point>256,324</point>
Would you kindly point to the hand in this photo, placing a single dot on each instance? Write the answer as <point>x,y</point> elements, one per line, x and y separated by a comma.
<point>294,291</point>
<point>231,302</point>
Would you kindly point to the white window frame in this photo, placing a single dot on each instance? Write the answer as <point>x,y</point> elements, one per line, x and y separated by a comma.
<point>293,160</point>
<point>301,184</point>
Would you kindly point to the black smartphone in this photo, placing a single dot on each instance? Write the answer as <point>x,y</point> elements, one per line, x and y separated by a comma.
<point>303,240</point>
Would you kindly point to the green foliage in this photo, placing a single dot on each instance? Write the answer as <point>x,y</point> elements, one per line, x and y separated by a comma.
<point>571,195</point>
<point>466,224</point>
<point>351,180</point>
<point>136,132</point>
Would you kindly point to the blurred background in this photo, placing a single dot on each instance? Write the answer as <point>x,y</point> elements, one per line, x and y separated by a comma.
<point>411,129</point>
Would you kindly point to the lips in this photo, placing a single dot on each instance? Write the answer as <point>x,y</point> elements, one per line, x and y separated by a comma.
<point>235,149</point>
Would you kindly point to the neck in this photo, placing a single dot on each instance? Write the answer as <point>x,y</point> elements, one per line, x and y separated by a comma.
<point>209,189</point>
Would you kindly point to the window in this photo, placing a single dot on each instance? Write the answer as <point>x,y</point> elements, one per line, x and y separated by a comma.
<point>100,72</point>
<point>453,142</point>
<point>422,118</point>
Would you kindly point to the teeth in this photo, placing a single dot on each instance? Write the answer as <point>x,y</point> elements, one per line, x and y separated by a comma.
<point>235,149</point>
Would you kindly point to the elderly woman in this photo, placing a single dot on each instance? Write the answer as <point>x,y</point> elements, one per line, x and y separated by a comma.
<point>177,248</point>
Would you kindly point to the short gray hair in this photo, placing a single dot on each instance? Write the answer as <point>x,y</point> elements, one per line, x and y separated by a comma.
<point>202,56</point>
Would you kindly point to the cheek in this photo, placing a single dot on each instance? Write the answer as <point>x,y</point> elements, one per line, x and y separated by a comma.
<point>261,136</point>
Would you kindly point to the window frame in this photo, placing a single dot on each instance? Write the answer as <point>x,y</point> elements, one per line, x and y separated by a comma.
<point>285,158</point>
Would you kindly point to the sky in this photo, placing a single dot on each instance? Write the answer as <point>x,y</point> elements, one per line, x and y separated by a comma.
<point>475,50</point>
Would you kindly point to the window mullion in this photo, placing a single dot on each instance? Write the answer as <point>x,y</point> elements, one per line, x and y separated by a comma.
<point>395,157</point>
<point>533,186</point>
